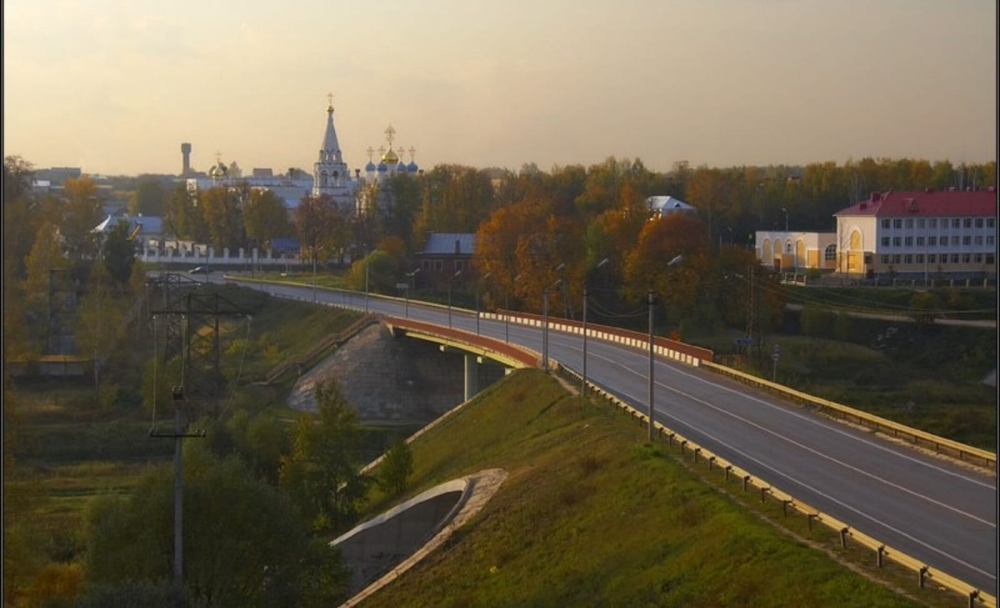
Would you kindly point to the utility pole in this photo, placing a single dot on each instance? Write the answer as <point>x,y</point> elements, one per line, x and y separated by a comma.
<point>201,379</point>
<point>649,301</point>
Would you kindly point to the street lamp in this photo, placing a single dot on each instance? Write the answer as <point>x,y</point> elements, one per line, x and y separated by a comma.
<point>583,382</point>
<point>366,285</point>
<point>485,276</point>
<point>506,307</point>
<point>457,274</point>
<point>649,301</point>
<point>410,276</point>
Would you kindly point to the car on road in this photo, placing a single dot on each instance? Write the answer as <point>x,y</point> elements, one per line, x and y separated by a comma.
<point>199,270</point>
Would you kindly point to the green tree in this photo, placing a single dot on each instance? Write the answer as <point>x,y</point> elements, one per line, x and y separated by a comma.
<point>118,252</point>
<point>149,198</point>
<point>396,467</point>
<point>243,544</point>
<point>380,268</point>
<point>222,210</point>
<point>265,218</point>
<point>321,475</point>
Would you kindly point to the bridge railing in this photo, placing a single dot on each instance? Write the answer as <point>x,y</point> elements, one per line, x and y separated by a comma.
<point>924,573</point>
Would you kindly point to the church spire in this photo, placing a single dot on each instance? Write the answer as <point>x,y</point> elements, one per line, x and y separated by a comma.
<point>331,147</point>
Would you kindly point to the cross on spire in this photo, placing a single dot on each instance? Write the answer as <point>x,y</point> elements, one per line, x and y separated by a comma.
<point>370,152</point>
<point>412,151</point>
<point>329,96</point>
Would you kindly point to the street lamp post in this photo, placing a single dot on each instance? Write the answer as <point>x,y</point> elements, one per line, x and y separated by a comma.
<point>583,381</point>
<point>366,286</point>
<point>652,383</point>
<point>457,274</point>
<point>506,308</point>
<point>545,323</point>
<point>314,276</point>
<point>410,276</point>
<point>485,276</point>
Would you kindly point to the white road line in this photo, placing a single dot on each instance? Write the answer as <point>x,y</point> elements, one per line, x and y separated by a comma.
<point>818,453</point>
<point>812,420</point>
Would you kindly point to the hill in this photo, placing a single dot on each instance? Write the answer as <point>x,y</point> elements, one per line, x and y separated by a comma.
<point>591,516</point>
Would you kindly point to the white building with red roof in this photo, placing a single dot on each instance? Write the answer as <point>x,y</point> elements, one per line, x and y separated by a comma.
<point>923,234</point>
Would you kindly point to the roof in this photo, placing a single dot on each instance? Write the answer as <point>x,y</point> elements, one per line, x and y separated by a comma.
<point>666,203</point>
<point>147,224</point>
<point>444,243</point>
<point>926,203</point>
<point>330,143</point>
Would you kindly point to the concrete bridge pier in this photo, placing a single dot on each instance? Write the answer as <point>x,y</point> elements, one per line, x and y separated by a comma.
<point>471,375</point>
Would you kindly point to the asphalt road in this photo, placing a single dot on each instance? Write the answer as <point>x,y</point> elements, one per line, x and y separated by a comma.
<point>942,513</point>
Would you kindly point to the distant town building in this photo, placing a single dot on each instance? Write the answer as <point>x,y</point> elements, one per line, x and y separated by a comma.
<point>447,253</point>
<point>795,251</point>
<point>923,234</point>
<point>662,206</point>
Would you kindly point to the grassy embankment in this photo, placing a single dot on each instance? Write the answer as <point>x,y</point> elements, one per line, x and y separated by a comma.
<point>69,449</point>
<point>590,516</point>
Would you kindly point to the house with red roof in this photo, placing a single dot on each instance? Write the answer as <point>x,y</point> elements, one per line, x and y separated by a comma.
<point>920,235</point>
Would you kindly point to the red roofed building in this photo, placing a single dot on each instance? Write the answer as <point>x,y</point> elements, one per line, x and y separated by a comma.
<point>923,234</point>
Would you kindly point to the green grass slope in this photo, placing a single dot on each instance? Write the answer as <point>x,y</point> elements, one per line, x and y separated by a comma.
<point>590,516</point>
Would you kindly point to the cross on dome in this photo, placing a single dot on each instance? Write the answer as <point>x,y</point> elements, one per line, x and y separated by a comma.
<point>390,135</point>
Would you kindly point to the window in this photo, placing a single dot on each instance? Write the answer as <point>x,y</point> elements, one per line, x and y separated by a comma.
<point>895,259</point>
<point>979,222</point>
<point>931,258</point>
<point>459,265</point>
<point>830,253</point>
<point>932,223</point>
<point>920,241</point>
<point>954,258</point>
<point>979,239</point>
<point>438,265</point>
<point>954,241</point>
<point>979,258</point>
<point>989,239</point>
<point>966,258</point>
<point>943,242</point>
<point>908,259</point>
<point>989,259</point>
<point>956,223</point>
<point>885,241</point>
<point>897,241</point>
<point>967,222</point>
<point>966,240</point>
<point>932,241</point>
<point>788,247</point>
<point>991,222</point>
<point>909,223</point>
<point>425,265</point>
<point>920,223</point>
<point>908,241</point>
<point>887,259</point>
<point>920,258</point>
<point>897,223</point>
<point>885,224</point>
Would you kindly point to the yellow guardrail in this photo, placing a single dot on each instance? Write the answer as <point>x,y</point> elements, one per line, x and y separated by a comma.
<point>877,423</point>
<point>925,573</point>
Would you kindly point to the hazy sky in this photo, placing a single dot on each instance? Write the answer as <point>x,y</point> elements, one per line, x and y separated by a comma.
<point>114,87</point>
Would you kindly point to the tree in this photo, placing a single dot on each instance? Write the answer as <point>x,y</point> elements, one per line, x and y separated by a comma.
<point>265,218</point>
<point>222,210</point>
<point>46,255</point>
<point>101,324</point>
<point>396,467</point>
<point>149,198</point>
<point>243,544</point>
<point>320,225</point>
<point>378,272</point>
<point>81,214</point>
<point>183,214</point>
<point>321,475</point>
<point>118,253</point>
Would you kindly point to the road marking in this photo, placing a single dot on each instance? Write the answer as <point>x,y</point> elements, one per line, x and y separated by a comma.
<point>814,451</point>
<point>824,424</point>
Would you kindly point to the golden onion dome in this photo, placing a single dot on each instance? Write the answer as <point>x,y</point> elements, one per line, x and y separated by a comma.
<point>390,157</point>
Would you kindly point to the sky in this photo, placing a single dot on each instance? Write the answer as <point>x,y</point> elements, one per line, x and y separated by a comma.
<point>115,87</point>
